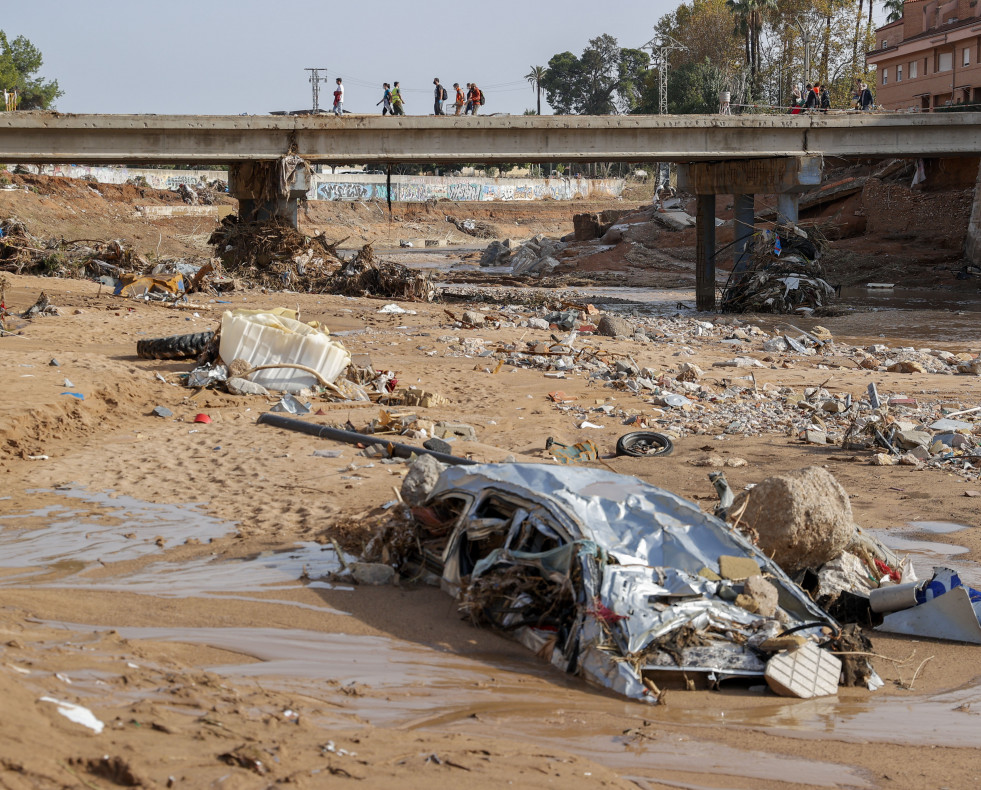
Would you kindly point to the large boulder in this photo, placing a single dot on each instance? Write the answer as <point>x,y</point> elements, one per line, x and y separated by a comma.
<point>803,518</point>
<point>496,254</point>
<point>421,479</point>
<point>615,326</point>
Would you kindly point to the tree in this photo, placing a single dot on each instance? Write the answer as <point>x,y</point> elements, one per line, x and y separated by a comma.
<point>535,77</point>
<point>20,61</point>
<point>895,9</point>
<point>607,79</point>
<point>706,30</point>
<point>750,17</point>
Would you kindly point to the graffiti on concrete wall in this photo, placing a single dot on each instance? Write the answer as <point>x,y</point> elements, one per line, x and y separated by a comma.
<point>159,179</point>
<point>421,189</point>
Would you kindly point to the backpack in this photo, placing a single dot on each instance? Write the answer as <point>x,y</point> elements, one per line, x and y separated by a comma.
<point>481,98</point>
<point>442,93</point>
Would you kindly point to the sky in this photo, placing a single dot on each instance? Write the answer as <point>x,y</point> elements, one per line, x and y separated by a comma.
<point>244,56</point>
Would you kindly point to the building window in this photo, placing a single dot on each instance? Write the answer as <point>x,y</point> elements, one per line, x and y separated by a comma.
<point>945,61</point>
<point>885,76</point>
<point>885,43</point>
<point>912,69</point>
<point>899,73</point>
<point>967,57</point>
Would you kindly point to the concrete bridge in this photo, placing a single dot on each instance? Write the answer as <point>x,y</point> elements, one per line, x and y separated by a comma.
<point>723,154</point>
<point>52,138</point>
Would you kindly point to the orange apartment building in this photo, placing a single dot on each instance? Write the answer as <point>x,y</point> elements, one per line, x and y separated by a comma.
<point>929,58</point>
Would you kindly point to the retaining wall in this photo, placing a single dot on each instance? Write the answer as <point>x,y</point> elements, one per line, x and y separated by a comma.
<point>353,187</point>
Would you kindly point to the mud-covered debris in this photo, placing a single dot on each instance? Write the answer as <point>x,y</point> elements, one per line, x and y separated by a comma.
<point>365,276</point>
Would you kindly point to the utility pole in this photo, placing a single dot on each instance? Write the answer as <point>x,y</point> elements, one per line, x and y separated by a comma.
<point>315,80</point>
<point>805,34</point>
<point>659,56</point>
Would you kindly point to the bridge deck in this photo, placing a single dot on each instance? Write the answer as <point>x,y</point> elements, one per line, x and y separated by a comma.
<point>40,137</point>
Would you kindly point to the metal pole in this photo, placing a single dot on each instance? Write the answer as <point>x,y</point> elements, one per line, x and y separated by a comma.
<point>744,216</point>
<point>705,252</point>
<point>350,437</point>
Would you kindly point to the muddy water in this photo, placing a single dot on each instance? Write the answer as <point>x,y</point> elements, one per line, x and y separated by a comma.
<point>416,686</point>
<point>927,554</point>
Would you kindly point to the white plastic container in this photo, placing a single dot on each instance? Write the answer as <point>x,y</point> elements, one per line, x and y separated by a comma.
<point>267,339</point>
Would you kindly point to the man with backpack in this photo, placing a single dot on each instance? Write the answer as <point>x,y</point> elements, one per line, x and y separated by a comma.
<point>460,101</point>
<point>477,97</point>
<point>440,97</point>
<point>865,101</point>
<point>825,99</point>
<point>398,105</point>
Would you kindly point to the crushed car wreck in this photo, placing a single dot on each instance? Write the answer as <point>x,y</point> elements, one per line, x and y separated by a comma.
<point>611,578</point>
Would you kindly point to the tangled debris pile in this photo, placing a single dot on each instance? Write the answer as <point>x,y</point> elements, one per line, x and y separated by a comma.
<point>202,194</point>
<point>364,276</point>
<point>473,227</point>
<point>783,275</point>
<point>275,255</point>
<point>23,253</point>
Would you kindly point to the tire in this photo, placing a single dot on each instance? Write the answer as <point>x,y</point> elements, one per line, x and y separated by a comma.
<point>644,444</point>
<point>175,346</point>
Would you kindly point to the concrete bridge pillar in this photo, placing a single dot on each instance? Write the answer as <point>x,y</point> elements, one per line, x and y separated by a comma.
<point>743,178</point>
<point>269,189</point>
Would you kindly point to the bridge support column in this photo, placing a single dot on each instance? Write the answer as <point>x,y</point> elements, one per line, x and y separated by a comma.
<point>786,177</point>
<point>705,252</point>
<point>269,190</point>
<point>744,217</point>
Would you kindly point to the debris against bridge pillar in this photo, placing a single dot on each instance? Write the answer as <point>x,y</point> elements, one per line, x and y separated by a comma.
<point>705,252</point>
<point>788,204</point>
<point>269,189</point>
<point>785,177</point>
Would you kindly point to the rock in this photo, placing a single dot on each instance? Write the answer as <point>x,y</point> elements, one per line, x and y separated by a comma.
<point>715,461</point>
<point>970,368</point>
<point>910,439</point>
<point>615,326</point>
<point>908,459</point>
<point>457,430</point>
<point>846,572</point>
<point>814,437</point>
<point>238,386</point>
<point>421,479</point>
<point>758,596</point>
<point>496,254</point>
<point>803,518</point>
<point>689,371</point>
<point>538,323</point>
<point>376,573</point>
<point>735,462</point>
<point>613,236</point>
<point>473,318</point>
<point>738,362</point>
<point>162,411</point>
<point>776,344</point>
<point>883,459</point>
<point>586,226</point>
<point>833,406</point>
<point>906,367</point>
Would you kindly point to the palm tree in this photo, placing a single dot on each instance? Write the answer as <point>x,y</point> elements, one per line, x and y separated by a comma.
<point>750,15</point>
<point>895,8</point>
<point>535,77</point>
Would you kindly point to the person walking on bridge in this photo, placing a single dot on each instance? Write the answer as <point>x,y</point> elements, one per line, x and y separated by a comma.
<point>386,100</point>
<point>339,98</point>
<point>460,101</point>
<point>476,97</point>
<point>440,97</point>
<point>398,105</point>
<point>865,101</point>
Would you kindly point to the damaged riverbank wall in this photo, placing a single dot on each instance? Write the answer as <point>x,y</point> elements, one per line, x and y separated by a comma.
<point>353,187</point>
<point>972,242</point>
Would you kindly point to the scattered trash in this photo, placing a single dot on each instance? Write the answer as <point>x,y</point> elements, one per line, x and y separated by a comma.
<point>805,672</point>
<point>203,418</point>
<point>941,607</point>
<point>572,453</point>
<point>77,395</point>
<point>162,411</point>
<point>394,308</point>
<point>290,405</point>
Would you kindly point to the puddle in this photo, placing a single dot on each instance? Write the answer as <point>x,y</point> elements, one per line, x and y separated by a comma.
<point>415,687</point>
<point>96,528</point>
<point>926,554</point>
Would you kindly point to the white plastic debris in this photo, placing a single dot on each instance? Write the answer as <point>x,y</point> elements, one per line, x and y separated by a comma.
<point>806,672</point>
<point>77,714</point>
